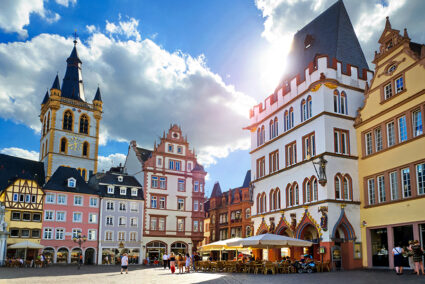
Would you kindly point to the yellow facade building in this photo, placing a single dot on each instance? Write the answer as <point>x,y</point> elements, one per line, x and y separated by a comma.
<point>391,147</point>
<point>22,196</point>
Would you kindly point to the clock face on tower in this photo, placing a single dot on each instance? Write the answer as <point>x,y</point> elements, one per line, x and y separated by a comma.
<point>75,143</point>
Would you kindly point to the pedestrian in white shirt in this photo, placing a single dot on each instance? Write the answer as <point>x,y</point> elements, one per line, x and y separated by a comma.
<point>124,263</point>
<point>165,260</point>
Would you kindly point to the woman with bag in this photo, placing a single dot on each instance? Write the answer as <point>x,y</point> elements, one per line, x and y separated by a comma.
<point>172,263</point>
<point>398,259</point>
<point>417,256</point>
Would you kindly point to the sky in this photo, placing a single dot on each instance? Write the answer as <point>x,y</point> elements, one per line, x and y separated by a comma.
<point>200,64</point>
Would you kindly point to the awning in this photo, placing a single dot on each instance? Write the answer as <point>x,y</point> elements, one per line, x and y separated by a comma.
<point>221,245</point>
<point>267,241</point>
<point>27,245</point>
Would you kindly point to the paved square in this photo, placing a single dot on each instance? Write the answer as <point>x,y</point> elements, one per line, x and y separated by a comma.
<point>110,274</point>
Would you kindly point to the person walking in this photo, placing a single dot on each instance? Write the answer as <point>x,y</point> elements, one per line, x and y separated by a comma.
<point>410,258</point>
<point>417,256</point>
<point>168,262</point>
<point>124,263</point>
<point>398,259</point>
<point>188,260</point>
<point>165,260</point>
<point>180,262</point>
<point>172,263</point>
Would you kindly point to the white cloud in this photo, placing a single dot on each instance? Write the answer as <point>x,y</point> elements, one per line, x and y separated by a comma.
<point>66,2</point>
<point>22,153</point>
<point>91,29</point>
<point>284,17</point>
<point>126,28</point>
<point>144,89</point>
<point>15,15</point>
<point>113,160</point>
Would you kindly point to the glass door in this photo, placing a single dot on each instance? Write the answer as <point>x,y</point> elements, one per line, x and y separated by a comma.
<point>402,236</point>
<point>379,240</point>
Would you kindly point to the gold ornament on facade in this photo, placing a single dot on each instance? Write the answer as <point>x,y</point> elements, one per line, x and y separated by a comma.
<point>75,143</point>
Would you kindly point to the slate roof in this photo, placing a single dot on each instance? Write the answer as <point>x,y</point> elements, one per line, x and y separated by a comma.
<point>101,181</point>
<point>144,154</point>
<point>216,192</point>
<point>71,87</point>
<point>416,48</point>
<point>59,181</point>
<point>12,168</point>
<point>333,35</point>
<point>97,97</point>
<point>46,98</point>
<point>56,84</point>
<point>247,179</point>
<point>198,168</point>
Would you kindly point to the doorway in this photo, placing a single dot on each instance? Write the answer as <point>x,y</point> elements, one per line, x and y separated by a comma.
<point>89,256</point>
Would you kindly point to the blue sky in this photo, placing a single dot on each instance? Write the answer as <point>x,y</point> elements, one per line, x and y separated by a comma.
<point>200,64</point>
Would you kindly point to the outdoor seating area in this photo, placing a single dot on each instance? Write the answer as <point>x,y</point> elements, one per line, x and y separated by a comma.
<point>257,267</point>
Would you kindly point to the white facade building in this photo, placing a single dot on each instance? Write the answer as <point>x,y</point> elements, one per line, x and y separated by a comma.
<point>309,118</point>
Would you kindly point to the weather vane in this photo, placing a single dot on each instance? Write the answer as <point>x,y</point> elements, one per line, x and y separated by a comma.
<point>75,37</point>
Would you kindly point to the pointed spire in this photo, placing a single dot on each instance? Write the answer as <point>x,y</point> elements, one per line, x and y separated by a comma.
<point>56,84</point>
<point>405,35</point>
<point>97,97</point>
<point>72,86</point>
<point>387,23</point>
<point>46,98</point>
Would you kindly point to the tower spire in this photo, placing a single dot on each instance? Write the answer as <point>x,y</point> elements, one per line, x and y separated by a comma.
<point>72,86</point>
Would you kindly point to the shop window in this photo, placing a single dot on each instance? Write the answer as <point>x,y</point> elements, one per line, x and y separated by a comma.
<point>379,242</point>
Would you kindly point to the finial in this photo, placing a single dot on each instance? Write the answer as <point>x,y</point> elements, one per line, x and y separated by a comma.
<point>405,35</point>
<point>75,37</point>
<point>387,23</point>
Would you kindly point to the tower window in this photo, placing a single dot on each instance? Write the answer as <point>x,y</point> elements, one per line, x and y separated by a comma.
<point>67,120</point>
<point>85,149</point>
<point>63,145</point>
<point>84,124</point>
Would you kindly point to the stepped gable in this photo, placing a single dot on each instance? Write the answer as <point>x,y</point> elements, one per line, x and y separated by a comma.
<point>13,168</point>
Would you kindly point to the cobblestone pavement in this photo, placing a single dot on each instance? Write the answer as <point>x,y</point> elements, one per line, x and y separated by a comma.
<point>110,274</point>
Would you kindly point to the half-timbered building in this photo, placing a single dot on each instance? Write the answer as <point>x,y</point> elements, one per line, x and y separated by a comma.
<point>21,192</point>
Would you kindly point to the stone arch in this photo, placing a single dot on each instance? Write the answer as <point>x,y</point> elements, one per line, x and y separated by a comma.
<point>90,255</point>
<point>62,255</point>
<point>263,228</point>
<point>306,221</point>
<point>284,228</point>
<point>345,225</point>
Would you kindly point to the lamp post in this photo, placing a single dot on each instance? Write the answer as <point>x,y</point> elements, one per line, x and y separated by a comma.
<point>79,240</point>
<point>321,170</point>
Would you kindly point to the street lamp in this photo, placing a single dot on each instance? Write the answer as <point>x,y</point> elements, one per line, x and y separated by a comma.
<point>321,171</point>
<point>79,240</point>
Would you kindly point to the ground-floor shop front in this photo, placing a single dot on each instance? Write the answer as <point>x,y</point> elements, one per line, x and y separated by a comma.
<point>155,248</point>
<point>67,255</point>
<point>382,239</point>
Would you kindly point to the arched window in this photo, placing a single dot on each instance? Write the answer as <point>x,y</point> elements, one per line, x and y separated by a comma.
<point>42,150</point>
<point>291,117</point>
<point>276,131</point>
<point>291,196</point>
<point>263,135</point>
<point>85,149</point>
<point>44,127</point>
<point>264,203</point>
<point>337,187</point>
<point>347,188</point>
<point>272,201</point>
<point>336,101</point>
<point>315,190</point>
<point>296,194</point>
<point>67,120</point>
<point>84,124</point>
<point>343,103</point>
<point>303,110</point>
<point>258,137</point>
<point>259,204</point>
<point>271,129</point>
<point>48,121</point>
<point>84,174</point>
<point>309,107</point>
<point>45,146</point>
<point>64,145</point>
<point>307,191</point>
<point>248,213</point>
<point>277,198</point>
<point>286,120</point>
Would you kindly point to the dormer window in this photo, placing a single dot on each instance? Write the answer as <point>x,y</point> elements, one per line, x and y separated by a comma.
<point>170,148</point>
<point>72,182</point>
<point>110,189</point>
<point>120,178</point>
<point>308,41</point>
<point>134,192</point>
<point>179,149</point>
<point>123,190</point>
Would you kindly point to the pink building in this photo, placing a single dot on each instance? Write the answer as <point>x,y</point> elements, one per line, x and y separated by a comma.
<point>71,208</point>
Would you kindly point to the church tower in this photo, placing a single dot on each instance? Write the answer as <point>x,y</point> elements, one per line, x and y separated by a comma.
<point>70,125</point>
